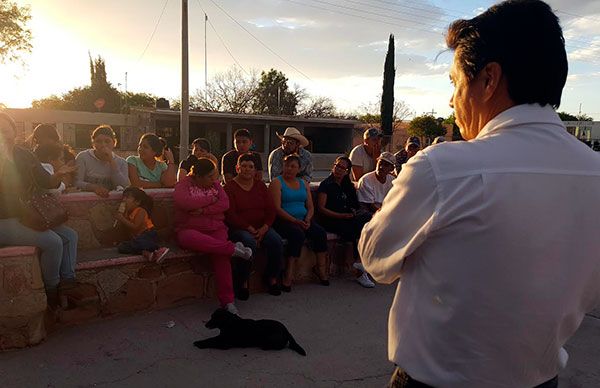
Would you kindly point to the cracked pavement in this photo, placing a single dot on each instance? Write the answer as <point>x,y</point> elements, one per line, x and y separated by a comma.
<point>342,328</point>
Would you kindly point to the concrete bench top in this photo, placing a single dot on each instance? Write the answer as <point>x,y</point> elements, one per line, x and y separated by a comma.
<point>17,251</point>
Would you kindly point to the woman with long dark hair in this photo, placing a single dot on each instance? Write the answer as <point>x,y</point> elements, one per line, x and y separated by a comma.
<point>20,174</point>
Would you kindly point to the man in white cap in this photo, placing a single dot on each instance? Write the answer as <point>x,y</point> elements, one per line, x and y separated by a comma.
<point>364,156</point>
<point>374,185</point>
<point>292,142</point>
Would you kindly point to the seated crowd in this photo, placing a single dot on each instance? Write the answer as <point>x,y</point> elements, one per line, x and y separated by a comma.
<point>228,217</point>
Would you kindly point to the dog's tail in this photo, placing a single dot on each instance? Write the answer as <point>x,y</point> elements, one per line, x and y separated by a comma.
<point>294,345</point>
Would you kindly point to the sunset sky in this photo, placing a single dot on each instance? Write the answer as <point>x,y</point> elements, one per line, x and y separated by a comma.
<point>337,47</point>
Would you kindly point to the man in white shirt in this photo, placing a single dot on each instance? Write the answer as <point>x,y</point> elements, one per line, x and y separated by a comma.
<point>374,186</point>
<point>364,156</point>
<point>493,239</point>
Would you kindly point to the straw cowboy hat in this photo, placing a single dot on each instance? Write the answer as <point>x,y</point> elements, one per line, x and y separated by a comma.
<point>295,134</point>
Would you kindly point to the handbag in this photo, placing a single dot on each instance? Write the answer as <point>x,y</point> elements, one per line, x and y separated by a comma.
<point>42,210</point>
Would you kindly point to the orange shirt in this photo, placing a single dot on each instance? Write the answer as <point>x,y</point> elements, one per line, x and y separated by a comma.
<point>147,221</point>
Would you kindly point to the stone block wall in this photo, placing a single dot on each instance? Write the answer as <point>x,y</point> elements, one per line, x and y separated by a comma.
<point>22,298</point>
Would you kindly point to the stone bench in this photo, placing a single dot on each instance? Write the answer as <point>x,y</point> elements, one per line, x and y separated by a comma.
<point>112,283</point>
<point>22,298</point>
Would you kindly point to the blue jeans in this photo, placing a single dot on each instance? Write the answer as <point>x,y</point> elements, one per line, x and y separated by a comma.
<point>145,241</point>
<point>58,248</point>
<point>273,246</point>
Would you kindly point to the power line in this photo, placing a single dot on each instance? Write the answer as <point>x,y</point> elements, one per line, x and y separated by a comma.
<point>427,15</point>
<point>260,41</point>
<point>153,31</point>
<point>222,41</point>
<point>363,17</point>
<point>373,13</point>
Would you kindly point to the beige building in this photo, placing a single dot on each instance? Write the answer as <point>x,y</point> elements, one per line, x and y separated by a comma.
<point>328,137</point>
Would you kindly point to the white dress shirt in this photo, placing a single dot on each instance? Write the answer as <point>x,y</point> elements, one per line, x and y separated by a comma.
<point>496,242</point>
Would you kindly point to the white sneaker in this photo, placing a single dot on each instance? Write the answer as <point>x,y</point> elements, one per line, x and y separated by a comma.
<point>364,281</point>
<point>242,251</point>
<point>230,307</point>
<point>359,266</point>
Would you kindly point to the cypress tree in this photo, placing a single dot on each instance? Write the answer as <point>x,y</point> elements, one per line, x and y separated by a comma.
<point>387,97</point>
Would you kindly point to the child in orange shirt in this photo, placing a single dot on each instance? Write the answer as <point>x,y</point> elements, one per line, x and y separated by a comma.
<point>134,213</point>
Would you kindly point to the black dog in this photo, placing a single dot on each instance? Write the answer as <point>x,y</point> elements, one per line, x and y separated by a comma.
<point>246,333</point>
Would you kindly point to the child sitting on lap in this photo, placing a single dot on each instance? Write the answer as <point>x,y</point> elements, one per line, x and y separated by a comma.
<point>134,214</point>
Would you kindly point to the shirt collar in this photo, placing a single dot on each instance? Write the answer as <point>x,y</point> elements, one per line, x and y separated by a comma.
<point>519,115</point>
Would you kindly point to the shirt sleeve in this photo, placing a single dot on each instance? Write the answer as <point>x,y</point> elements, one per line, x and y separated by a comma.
<point>365,191</point>
<point>270,211</point>
<point>221,205</point>
<point>356,157</point>
<point>120,175</point>
<point>308,169</point>
<point>404,222</point>
<point>275,165</point>
<point>231,215</point>
<point>80,182</point>
<point>257,161</point>
<point>227,164</point>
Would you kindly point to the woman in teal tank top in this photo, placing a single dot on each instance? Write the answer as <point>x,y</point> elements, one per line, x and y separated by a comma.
<point>295,211</point>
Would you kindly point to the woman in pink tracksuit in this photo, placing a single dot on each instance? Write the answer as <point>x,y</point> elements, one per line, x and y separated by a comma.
<point>200,205</point>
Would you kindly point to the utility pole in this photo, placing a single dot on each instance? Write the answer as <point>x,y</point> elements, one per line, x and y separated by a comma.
<point>205,61</point>
<point>184,121</point>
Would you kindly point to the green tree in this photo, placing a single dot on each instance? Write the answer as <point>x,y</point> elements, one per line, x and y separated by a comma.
<point>387,96</point>
<point>427,127</point>
<point>100,96</point>
<point>273,95</point>
<point>15,37</point>
<point>564,116</point>
<point>451,120</point>
<point>584,117</point>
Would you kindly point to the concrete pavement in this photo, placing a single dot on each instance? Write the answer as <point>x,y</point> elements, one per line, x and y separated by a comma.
<point>342,328</point>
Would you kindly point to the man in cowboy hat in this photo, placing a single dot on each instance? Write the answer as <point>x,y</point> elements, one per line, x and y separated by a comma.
<point>292,142</point>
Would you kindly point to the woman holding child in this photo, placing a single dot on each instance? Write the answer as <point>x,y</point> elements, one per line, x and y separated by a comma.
<point>294,205</point>
<point>20,174</point>
<point>146,171</point>
<point>250,216</point>
<point>200,205</point>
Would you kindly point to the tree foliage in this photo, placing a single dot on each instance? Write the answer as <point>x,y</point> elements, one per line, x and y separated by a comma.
<point>426,126</point>
<point>230,91</point>
<point>15,37</point>
<point>564,116</point>
<point>387,96</point>
<point>100,96</point>
<point>370,112</point>
<point>318,107</point>
<point>451,120</point>
<point>273,95</point>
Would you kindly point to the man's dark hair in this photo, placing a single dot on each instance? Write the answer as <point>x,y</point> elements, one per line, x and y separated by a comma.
<point>525,38</point>
<point>202,167</point>
<point>202,143</point>
<point>245,157</point>
<point>146,201</point>
<point>242,132</point>
<point>291,158</point>
<point>105,130</point>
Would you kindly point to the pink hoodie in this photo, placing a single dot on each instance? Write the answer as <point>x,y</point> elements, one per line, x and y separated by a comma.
<point>189,197</point>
